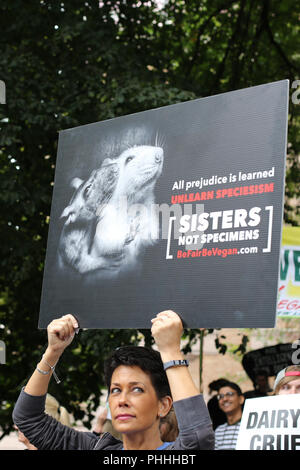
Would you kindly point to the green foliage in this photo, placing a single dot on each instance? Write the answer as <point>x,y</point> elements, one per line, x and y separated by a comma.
<point>223,347</point>
<point>73,63</point>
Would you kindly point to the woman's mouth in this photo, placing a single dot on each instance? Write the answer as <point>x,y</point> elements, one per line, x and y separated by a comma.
<point>124,417</point>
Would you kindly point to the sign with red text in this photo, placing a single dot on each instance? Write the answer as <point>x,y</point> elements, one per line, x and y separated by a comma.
<point>177,208</point>
<point>270,423</point>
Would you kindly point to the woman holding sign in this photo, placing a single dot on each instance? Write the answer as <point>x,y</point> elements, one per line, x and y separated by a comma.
<point>140,385</point>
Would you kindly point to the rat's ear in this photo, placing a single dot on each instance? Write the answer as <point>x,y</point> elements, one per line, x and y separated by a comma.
<point>76,182</point>
<point>107,162</point>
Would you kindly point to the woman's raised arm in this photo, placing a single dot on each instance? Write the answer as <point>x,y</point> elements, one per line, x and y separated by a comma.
<point>167,331</point>
<point>60,334</point>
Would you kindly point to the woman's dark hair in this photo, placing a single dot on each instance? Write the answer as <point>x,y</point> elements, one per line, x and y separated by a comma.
<point>146,359</point>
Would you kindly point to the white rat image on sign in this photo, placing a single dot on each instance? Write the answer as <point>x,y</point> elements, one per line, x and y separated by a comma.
<point>109,220</point>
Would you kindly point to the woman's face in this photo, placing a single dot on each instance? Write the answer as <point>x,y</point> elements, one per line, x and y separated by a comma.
<point>133,402</point>
<point>290,387</point>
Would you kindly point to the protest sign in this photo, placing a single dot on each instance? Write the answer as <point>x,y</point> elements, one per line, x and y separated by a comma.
<point>270,423</point>
<point>176,208</point>
<point>289,281</point>
<point>270,359</point>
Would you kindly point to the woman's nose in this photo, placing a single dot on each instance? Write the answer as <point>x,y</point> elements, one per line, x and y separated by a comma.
<point>123,400</point>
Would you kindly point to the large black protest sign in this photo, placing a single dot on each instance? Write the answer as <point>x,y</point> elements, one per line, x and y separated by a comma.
<point>177,208</point>
<point>270,359</point>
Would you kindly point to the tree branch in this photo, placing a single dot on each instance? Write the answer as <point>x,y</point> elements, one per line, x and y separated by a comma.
<point>272,39</point>
<point>229,46</point>
<point>201,31</point>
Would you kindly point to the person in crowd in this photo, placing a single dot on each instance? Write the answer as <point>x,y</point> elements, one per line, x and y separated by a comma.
<point>261,386</point>
<point>60,413</point>
<point>24,440</point>
<point>217,415</point>
<point>103,424</point>
<point>168,427</point>
<point>142,383</point>
<point>287,381</point>
<point>231,401</point>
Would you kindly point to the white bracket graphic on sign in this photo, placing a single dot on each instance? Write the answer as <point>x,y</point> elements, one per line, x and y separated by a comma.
<point>269,245</point>
<point>168,255</point>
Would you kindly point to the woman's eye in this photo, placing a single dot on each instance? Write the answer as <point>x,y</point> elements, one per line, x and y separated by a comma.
<point>115,390</point>
<point>138,389</point>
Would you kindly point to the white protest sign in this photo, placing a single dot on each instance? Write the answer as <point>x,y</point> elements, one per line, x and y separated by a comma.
<point>270,423</point>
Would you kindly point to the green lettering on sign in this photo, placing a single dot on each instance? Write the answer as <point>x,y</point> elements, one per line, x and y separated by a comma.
<point>284,265</point>
<point>297,265</point>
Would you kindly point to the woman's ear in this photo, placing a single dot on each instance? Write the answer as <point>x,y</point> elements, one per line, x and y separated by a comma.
<point>165,404</point>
